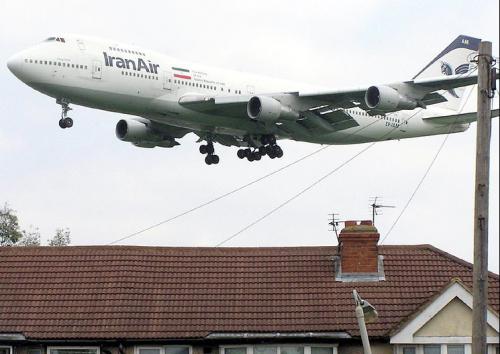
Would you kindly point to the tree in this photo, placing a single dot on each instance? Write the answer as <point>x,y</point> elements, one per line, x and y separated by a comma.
<point>30,238</point>
<point>61,238</point>
<point>12,235</point>
<point>9,227</point>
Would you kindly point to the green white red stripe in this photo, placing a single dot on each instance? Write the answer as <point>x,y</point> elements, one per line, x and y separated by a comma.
<point>181,73</point>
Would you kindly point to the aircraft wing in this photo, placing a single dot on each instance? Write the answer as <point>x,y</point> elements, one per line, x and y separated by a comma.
<point>327,111</point>
<point>421,89</point>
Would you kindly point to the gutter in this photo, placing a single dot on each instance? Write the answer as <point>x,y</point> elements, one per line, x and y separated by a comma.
<point>256,335</point>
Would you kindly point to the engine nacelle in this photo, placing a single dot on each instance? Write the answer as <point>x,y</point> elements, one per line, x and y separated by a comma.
<point>387,99</point>
<point>267,109</point>
<point>134,131</point>
<point>141,135</point>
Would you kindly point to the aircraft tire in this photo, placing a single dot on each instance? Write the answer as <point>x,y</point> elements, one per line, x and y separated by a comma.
<point>68,122</point>
<point>61,124</point>
<point>203,149</point>
<point>278,152</point>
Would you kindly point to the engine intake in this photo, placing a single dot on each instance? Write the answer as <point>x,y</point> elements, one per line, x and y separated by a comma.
<point>387,99</point>
<point>267,109</point>
<point>141,135</point>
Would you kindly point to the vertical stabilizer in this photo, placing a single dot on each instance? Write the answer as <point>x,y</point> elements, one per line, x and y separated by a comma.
<point>455,59</point>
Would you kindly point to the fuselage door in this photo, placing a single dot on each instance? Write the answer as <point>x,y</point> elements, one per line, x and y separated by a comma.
<point>96,69</point>
<point>167,80</point>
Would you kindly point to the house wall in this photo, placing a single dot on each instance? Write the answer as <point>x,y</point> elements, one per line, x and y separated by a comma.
<point>454,320</point>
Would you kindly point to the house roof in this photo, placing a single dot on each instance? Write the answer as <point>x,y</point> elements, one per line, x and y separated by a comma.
<point>122,292</point>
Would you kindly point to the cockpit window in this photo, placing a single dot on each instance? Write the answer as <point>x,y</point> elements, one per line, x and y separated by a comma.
<point>58,39</point>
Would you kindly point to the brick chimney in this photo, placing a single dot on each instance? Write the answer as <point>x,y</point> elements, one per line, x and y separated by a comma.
<point>358,248</point>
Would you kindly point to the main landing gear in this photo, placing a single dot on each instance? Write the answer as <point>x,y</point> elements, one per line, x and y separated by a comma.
<point>269,148</point>
<point>65,121</point>
<point>209,150</point>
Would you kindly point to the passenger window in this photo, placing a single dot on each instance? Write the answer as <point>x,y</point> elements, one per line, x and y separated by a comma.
<point>86,67</point>
<point>59,64</point>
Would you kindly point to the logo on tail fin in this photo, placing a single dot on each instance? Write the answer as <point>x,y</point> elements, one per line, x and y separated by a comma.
<point>447,70</point>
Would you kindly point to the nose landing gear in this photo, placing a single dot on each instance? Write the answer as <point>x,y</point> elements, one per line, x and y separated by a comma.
<point>211,158</point>
<point>65,121</point>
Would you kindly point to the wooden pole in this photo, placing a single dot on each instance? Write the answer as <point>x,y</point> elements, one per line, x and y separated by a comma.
<point>480,268</point>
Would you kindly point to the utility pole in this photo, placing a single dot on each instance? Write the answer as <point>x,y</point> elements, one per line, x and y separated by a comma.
<point>480,267</point>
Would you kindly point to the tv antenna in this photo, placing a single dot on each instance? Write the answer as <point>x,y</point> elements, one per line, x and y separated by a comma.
<point>334,223</point>
<point>376,208</point>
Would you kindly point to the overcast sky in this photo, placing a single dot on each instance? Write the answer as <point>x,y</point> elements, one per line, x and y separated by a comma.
<point>103,189</point>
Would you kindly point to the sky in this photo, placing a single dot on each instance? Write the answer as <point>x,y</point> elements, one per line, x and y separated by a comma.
<point>103,189</point>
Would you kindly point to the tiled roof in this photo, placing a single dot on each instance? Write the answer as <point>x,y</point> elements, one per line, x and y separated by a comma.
<point>164,293</point>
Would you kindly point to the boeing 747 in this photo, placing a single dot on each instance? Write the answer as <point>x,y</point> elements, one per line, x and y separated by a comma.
<point>168,98</point>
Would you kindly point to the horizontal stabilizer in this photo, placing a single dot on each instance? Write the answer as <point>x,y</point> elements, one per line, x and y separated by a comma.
<point>458,118</point>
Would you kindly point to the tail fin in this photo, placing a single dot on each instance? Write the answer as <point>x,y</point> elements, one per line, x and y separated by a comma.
<point>455,59</point>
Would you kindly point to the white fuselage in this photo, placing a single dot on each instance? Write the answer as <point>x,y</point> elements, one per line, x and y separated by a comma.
<point>127,79</point>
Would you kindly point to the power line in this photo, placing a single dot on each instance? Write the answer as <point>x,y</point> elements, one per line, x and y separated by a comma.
<point>219,197</point>
<point>419,184</point>
<point>295,196</point>
<point>428,169</point>
<point>313,184</point>
<point>238,188</point>
<point>258,180</point>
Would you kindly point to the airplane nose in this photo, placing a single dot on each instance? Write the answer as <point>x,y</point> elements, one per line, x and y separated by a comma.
<point>14,64</point>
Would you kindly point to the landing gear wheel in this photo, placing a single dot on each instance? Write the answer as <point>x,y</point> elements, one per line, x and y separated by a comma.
<point>262,150</point>
<point>241,154</point>
<point>203,149</point>
<point>65,121</point>
<point>250,157</point>
<point>256,156</point>
<point>215,159</point>
<point>278,152</point>
<point>210,148</point>
<point>208,159</point>
<point>68,122</point>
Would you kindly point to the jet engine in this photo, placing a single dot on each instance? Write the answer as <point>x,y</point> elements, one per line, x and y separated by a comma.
<point>387,99</point>
<point>141,135</point>
<point>267,109</point>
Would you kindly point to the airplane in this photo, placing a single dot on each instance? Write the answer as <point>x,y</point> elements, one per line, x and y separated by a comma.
<point>171,98</point>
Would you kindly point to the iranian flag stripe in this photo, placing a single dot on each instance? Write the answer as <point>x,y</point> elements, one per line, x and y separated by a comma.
<point>187,77</point>
<point>180,69</point>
